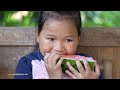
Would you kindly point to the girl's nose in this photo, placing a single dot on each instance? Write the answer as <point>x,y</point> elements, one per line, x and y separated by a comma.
<point>58,47</point>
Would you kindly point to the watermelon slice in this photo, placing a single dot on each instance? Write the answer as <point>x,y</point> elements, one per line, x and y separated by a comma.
<point>72,60</point>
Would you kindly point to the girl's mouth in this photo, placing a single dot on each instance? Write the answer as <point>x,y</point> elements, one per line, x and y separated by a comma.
<point>59,53</point>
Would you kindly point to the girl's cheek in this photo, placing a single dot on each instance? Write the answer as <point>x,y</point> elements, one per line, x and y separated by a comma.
<point>46,48</point>
<point>71,50</point>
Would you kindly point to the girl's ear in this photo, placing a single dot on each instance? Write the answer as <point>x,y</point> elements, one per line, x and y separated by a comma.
<point>37,36</point>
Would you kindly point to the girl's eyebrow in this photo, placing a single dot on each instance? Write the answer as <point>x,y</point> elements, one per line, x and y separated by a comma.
<point>49,35</point>
<point>71,36</point>
<point>67,36</point>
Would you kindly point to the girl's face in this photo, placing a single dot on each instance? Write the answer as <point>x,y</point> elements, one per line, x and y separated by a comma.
<point>58,37</point>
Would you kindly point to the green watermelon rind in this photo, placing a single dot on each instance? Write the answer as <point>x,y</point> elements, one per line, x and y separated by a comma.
<point>73,63</point>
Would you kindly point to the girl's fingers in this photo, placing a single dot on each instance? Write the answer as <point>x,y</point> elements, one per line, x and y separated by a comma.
<point>55,59</point>
<point>86,65</point>
<point>72,69</point>
<point>60,62</point>
<point>46,58</point>
<point>50,58</point>
<point>97,68</point>
<point>80,67</point>
<point>70,74</point>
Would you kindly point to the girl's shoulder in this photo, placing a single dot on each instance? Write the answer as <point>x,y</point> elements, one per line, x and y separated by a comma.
<point>31,56</point>
<point>26,64</point>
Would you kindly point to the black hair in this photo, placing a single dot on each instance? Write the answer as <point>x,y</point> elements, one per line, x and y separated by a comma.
<point>73,16</point>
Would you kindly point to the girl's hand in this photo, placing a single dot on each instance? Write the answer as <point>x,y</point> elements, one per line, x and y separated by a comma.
<point>86,73</point>
<point>53,66</point>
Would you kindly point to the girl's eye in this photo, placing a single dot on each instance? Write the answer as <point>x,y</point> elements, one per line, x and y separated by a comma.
<point>69,40</point>
<point>51,39</point>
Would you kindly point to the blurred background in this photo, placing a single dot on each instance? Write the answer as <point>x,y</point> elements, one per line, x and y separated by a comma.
<point>89,18</point>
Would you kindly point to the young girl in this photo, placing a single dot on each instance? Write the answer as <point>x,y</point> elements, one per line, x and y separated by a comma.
<point>58,34</point>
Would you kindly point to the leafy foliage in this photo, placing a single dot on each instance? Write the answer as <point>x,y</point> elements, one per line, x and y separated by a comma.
<point>18,18</point>
<point>101,18</point>
<point>89,18</point>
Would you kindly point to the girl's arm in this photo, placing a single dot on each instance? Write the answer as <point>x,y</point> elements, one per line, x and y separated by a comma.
<point>23,70</point>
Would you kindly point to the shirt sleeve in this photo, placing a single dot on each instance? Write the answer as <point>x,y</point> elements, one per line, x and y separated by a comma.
<point>101,75</point>
<point>23,69</point>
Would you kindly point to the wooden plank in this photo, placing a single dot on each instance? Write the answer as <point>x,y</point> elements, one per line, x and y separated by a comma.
<point>90,51</point>
<point>100,54</point>
<point>89,36</point>
<point>116,63</point>
<point>108,53</point>
<point>17,36</point>
<point>100,37</point>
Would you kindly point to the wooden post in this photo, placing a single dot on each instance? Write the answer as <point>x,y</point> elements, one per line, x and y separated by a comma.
<point>107,71</point>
